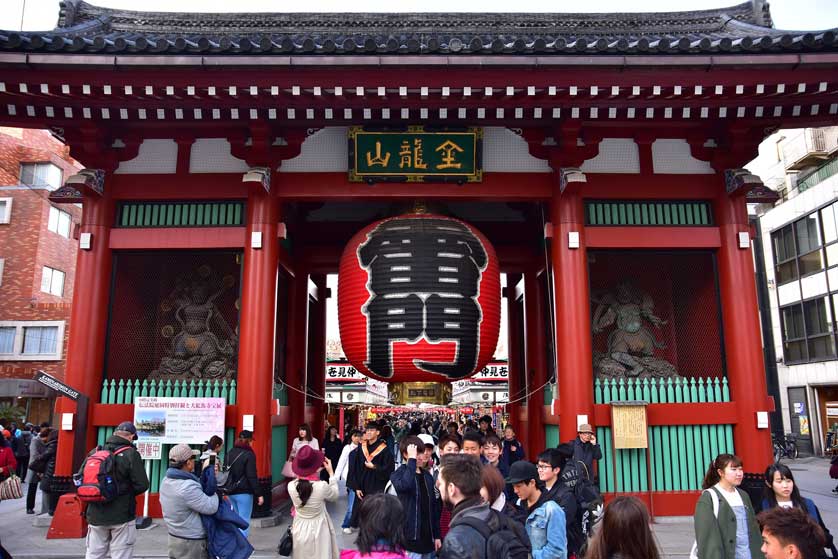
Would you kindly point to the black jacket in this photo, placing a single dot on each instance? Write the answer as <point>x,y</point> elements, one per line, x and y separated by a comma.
<point>407,490</point>
<point>47,459</point>
<point>130,473</point>
<point>587,453</point>
<point>464,542</point>
<point>242,463</point>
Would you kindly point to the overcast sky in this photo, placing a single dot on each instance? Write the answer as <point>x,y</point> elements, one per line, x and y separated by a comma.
<point>787,14</point>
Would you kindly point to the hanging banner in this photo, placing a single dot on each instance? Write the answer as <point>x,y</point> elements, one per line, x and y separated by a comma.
<point>178,420</point>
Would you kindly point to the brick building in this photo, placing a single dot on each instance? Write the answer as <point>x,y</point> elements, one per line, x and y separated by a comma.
<point>37,266</point>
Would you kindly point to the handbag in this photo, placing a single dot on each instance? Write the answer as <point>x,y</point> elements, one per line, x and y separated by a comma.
<point>286,544</point>
<point>222,478</point>
<point>10,488</point>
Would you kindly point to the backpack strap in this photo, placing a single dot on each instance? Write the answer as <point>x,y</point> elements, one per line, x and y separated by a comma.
<point>482,528</point>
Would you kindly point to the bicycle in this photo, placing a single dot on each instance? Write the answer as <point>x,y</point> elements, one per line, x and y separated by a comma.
<point>785,447</point>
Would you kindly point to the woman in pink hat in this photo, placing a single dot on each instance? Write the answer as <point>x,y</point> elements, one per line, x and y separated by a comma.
<point>312,529</point>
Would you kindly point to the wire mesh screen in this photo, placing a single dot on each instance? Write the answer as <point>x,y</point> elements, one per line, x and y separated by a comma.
<point>174,315</point>
<point>655,314</point>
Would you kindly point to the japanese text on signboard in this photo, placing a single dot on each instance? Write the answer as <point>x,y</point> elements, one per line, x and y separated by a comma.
<point>416,155</point>
<point>178,420</point>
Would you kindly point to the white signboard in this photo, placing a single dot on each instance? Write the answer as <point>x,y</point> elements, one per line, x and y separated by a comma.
<point>149,450</point>
<point>178,420</point>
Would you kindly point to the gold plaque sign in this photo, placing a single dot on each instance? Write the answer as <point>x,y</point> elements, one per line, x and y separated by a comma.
<point>420,393</point>
<point>629,424</point>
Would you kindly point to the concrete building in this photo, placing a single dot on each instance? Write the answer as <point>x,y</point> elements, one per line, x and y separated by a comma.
<point>800,255</point>
<point>37,266</point>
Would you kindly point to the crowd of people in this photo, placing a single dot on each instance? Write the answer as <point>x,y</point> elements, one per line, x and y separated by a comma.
<point>416,488</point>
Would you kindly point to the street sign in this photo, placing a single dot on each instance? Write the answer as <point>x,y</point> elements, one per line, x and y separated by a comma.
<point>57,385</point>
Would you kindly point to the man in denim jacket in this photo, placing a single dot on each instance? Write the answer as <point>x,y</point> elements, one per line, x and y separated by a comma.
<point>545,520</point>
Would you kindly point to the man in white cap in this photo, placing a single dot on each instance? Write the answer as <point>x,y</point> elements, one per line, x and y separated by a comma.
<point>183,502</point>
<point>586,450</point>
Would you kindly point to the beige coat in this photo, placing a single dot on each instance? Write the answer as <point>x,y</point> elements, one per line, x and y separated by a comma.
<point>312,529</point>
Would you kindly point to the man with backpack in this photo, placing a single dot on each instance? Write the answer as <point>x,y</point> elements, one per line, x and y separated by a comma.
<point>589,502</point>
<point>476,531</point>
<point>546,525</point>
<point>110,479</point>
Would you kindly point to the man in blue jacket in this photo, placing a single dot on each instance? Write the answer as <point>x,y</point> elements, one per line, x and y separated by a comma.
<point>545,522</point>
<point>414,486</point>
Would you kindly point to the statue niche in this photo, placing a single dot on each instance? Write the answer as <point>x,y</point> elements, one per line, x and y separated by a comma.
<point>203,345</point>
<point>631,344</point>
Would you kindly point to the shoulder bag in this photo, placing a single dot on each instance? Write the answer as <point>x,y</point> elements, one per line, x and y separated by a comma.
<point>715,499</point>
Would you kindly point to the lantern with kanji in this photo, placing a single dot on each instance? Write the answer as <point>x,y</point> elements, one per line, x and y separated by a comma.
<point>419,299</point>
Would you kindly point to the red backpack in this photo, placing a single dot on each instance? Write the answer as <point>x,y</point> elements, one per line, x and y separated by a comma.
<point>97,481</point>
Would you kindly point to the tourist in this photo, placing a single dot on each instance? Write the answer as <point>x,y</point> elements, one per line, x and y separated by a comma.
<point>735,521</point>
<point>8,463</point>
<point>414,487</point>
<point>485,425</point>
<point>492,450</point>
<point>459,483</point>
<point>448,444</point>
<point>342,473</point>
<point>311,530</point>
<point>781,491</point>
<point>512,448</point>
<point>332,445</point>
<point>112,528</point>
<point>545,520</point>
<point>372,466</point>
<point>387,436</point>
<point>243,485</point>
<point>586,450</point>
<point>550,464</point>
<point>304,438</point>
<point>453,428</point>
<point>380,529</point>
<point>183,501</point>
<point>790,533</point>
<point>36,465</point>
<point>624,532</point>
<point>48,473</point>
<point>21,440</point>
<point>473,444</point>
<point>209,455</point>
<point>492,491</point>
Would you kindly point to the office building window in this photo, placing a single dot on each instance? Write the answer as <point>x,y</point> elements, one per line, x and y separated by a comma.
<point>5,210</point>
<point>40,340</point>
<point>794,336</point>
<point>808,330</point>
<point>40,175</point>
<point>52,281</point>
<point>59,222</point>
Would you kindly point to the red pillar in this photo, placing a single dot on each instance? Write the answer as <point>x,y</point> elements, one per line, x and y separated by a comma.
<point>743,338</point>
<point>536,361</point>
<point>297,352</point>
<point>257,325</point>
<point>317,366</point>
<point>515,352</point>
<point>88,326</point>
<point>573,319</point>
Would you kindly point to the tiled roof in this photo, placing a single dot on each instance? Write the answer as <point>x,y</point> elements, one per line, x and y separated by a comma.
<point>85,28</point>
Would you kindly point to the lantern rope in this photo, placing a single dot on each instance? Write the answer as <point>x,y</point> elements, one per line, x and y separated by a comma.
<point>310,393</point>
<point>528,394</point>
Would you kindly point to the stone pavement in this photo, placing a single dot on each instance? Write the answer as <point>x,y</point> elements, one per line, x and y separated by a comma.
<point>675,535</point>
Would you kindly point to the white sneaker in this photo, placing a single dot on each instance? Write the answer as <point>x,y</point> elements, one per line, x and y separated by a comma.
<point>347,530</point>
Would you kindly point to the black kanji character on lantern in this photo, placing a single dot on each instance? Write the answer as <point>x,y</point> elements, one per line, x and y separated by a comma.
<point>424,276</point>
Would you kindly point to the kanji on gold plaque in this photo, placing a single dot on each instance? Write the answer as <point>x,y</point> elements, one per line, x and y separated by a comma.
<point>415,155</point>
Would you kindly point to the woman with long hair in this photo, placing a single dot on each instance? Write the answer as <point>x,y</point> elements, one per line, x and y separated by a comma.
<point>49,456</point>
<point>624,532</point>
<point>782,491</point>
<point>312,530</point>
<point>209,455</point>
<point>241,462</point>
<point>332,445</point>
<point>725,522</point>
<point>380,529</point>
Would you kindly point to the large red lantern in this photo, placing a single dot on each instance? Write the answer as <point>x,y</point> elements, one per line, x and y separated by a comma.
<point>419,299</point>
